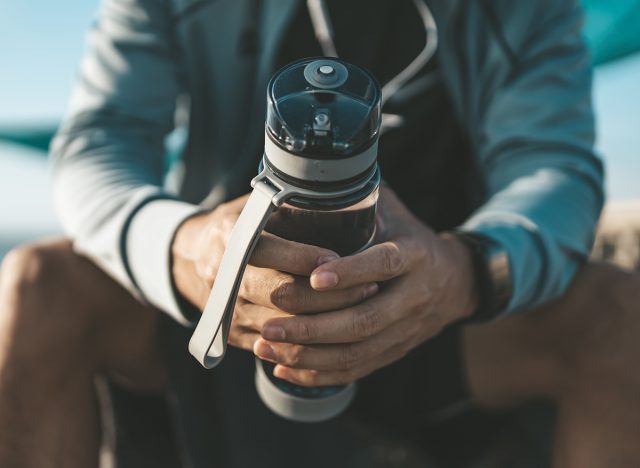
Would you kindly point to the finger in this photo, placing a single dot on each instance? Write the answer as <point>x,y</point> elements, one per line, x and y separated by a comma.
<point>348,325</point>
<point>242,338</point>
<point>293,294</point>
<point>381,262</point>
<point>253,316</point>
<point>337,357</point>
<point>292,257</point>
<point>318,378</point>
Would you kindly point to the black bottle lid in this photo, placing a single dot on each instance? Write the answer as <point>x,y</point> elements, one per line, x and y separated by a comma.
<point>323,120</point>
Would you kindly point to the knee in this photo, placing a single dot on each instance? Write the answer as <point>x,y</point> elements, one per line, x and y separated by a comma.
<point>35,309</point>
<point>608,305</point>
<point>603,304</point>
<point>27,270</point>
<point>32,273</point>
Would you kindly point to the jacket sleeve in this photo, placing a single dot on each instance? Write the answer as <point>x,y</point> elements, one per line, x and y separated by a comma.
<point>108,155</point>
<point>533,131</point>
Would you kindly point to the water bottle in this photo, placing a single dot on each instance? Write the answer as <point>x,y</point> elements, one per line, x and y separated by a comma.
<point>318,184</point>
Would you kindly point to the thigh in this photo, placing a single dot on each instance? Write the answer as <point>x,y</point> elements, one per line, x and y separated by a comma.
<point>64,301</point>
<point>548,350</point>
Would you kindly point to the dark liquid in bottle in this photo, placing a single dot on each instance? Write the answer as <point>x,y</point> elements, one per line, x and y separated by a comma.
<point>345,232</point>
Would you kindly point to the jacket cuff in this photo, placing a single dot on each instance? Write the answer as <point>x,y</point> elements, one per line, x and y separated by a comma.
<point>519,239</point>
<point>147,254</point>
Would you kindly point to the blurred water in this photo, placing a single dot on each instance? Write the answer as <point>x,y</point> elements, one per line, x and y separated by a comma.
<point>26,207</point>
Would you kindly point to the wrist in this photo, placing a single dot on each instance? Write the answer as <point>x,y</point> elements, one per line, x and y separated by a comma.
<point>492,271</point>
<point>466,284</point>
<point>184,255</point>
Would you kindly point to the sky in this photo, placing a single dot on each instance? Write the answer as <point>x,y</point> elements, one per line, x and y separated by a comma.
<point>41,42</point>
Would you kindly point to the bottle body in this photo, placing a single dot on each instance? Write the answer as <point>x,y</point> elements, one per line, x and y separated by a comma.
<point>344,230</point>
<point>318,185</point>
<point>346,227</point>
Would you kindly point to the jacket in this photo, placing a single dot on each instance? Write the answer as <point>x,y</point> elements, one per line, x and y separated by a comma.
<point>519,78</point>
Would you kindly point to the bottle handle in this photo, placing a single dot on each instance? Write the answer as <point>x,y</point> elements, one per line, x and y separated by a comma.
<point>209,340</point>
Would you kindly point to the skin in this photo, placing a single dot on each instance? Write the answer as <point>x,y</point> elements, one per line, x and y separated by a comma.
<point>63,321</point>
<point>377,305</point>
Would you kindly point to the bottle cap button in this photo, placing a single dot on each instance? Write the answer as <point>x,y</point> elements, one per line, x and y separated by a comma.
<point>326,70</point>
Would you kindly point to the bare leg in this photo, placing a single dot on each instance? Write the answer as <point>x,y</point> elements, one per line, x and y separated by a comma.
<point>582,352</point>
<point>61,321</point>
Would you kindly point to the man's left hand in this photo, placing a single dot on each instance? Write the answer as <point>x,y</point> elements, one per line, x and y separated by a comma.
<point>425,283</point>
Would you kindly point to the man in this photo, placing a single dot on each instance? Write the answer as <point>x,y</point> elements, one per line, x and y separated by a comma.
<point>512,93</point>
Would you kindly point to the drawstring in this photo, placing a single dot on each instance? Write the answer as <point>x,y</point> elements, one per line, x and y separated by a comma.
<point>323,29</point>
<point>322,26</point>
<point>423,58</point>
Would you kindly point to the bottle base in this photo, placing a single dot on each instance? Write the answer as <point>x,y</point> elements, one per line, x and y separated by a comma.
<point>299,409</point>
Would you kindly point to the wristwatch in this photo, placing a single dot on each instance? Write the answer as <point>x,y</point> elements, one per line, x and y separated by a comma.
<point>493,276</point>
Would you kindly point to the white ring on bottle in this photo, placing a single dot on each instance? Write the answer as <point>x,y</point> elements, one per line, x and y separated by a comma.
<point>294,408</point>
<point>319,170</point>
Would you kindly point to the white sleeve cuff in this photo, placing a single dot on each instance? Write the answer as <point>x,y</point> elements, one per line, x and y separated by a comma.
<point>148,252</point>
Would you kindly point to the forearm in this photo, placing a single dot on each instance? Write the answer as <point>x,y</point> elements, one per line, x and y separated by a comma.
<point>108,157</point>
<point>533,132</point>
<point>117,213</point>
<point>545,219</point>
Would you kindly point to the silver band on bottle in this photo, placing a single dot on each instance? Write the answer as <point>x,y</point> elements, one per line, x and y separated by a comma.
<point>329,169</point>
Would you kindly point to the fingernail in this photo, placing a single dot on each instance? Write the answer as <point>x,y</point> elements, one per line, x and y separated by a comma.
<point>273,333</point>
<point>324,280</point>
<point>371,290</point>
<point>327,259</point>
<point>262,349</point>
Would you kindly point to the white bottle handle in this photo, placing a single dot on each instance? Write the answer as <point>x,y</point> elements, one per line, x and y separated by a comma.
<point>209,340</point>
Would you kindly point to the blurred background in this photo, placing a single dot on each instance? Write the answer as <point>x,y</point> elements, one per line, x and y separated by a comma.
<point>42,42</point>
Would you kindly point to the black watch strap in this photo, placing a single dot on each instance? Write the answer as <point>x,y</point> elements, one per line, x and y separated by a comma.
<point>493,275</point>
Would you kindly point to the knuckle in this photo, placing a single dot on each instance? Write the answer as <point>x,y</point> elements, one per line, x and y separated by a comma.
<point>294,356</point>
<point>227,227</point>
<point>313,379</point>
<point>366,322</point>
<point>284,296</point>
<point>306,332</point>
<point>309,378</point>
<point>349,357</point>
<point>241,317</point>
<point>392,261</point>
<point>208,271</point>
<point>298,255</point>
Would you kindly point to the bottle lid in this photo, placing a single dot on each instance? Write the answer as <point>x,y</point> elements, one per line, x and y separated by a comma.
<point>323,121</point>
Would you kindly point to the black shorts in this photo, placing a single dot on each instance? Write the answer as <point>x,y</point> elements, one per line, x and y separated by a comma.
<point>222,422</point>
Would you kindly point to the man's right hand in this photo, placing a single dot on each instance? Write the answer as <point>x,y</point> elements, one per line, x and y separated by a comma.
<point>275,283</point>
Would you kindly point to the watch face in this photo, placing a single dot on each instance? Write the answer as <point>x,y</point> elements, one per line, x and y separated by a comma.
<point>499,268</point>
<point>492,269</point>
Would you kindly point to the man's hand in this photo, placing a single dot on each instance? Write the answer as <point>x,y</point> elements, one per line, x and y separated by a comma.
<point>426,282</point>
<point>275,284</point>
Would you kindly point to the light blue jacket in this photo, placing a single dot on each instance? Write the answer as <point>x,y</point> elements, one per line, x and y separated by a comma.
<point>518,73</point>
